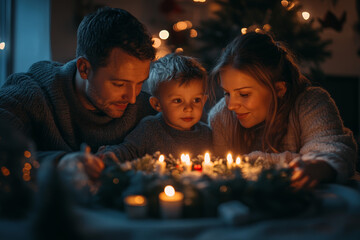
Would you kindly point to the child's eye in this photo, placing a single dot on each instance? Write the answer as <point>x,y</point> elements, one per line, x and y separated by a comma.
<point>244,95</point>
<point>197,100</point>
<point>177,100</point>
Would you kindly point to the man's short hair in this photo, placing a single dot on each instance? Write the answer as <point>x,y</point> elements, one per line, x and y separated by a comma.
<point>175,67</point>
<point>108,28</point>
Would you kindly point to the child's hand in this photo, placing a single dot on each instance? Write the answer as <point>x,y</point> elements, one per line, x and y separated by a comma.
<point>107,156</point>
<point>308,174</point>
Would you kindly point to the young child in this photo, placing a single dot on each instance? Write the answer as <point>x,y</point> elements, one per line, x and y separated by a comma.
<point>177,84</point>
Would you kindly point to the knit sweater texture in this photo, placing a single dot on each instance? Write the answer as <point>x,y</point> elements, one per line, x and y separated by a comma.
<point>43,104</point>
<point>153,134</point>
<point>315,132</point>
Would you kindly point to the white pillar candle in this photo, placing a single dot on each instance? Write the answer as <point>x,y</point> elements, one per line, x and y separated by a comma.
<point>171,203</point>
<point>207,166</point>
<point>160,165</point>
<point>187,164</point>
<point>135,206</point>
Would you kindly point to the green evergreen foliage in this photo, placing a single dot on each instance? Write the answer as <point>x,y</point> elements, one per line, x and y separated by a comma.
<point>286,25</point>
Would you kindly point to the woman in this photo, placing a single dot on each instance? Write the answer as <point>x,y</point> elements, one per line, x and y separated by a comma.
<point>270,110</point>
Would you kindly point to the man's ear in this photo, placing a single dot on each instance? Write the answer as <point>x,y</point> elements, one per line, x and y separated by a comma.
<point>83,67</point>
<point>155,103</point>
<point>280,88</point>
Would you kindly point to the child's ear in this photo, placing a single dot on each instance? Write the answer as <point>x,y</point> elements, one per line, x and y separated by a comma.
<point>280,88</point>
<point>155,103</point>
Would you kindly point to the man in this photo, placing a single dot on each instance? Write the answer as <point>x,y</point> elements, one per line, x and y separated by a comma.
<point>95,99</point>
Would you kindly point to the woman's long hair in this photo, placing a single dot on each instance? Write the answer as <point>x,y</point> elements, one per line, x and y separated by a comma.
<point>268,62</point>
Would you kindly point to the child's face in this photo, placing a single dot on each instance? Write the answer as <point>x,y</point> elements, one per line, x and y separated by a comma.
<point>182,106</point>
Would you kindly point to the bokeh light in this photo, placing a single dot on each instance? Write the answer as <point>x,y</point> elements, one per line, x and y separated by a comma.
<point>164,34</point>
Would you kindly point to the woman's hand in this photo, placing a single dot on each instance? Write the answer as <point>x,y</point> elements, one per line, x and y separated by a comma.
<point>308,174</point>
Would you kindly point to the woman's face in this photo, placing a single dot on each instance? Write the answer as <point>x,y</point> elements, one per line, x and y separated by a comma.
<point>245,96</point>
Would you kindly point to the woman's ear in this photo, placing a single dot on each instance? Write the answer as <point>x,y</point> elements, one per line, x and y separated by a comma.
<point>280,88</point>
<point>155,103</point>
<point>83,66</point>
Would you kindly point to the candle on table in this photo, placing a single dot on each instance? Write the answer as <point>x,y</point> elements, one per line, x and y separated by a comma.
<point>207,165</point>
<point>230,161</point>
<point>171,202</point>
<point>186,162</point>
<point>238,161</point>
<point>161,165</point>
<point>135,206</point>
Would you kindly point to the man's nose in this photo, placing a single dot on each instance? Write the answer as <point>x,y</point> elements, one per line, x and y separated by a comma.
<point>131,94</point>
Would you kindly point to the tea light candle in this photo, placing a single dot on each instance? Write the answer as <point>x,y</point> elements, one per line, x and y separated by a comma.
<point>135,206</point>
<point>171,203</point>
<point>161,165</point>
<point>230,161</point>
<point>207,165</point>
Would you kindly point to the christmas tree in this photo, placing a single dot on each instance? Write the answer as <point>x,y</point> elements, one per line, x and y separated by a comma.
<point>282,19</point>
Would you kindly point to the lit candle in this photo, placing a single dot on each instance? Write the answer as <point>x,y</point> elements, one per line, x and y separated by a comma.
<point>229,161</point>
<point>135,206</point>
<point>161,165</point>
<point>238,161</point>
<point>171,202</point>
<point>207,165</point>
<point>187,164</point>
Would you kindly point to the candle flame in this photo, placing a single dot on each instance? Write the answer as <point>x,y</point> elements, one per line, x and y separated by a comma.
<point>169,191</point>
<point>229,158</point>
<point>238,161</point>
<point>161,158</point>
<point>139,200</point>
<point>187,159</point>
<point>183,158</point>
<point>207,158</point>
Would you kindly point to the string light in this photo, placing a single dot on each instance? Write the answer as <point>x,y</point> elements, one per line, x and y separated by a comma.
<point>305,15</point>
<point>2,45</point>
<point>164,34</point>
<point>193,33</point>
<point>244,31</point>
<point>156,42</point>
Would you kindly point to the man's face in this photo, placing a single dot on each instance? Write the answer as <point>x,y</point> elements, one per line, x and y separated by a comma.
<point>111,88</point>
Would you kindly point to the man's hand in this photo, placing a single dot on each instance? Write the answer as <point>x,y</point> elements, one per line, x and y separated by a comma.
<point>93,165</point>
<point>308,174</point>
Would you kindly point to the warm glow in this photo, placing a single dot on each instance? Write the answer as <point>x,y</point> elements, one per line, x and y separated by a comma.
<point>284,3</point>
<point>169,191</point>
<point>27,166</point>
<point>26,177</point>
<point>187,159</point>
<point>180,26</point>
<point>305,15</point>
<point>291,6</point>
<point>164,34</point>
<point>115,180</point>
<point>207,158</point>
<point>27,154</point>
<point>183,158</point>
<point>139,200</point>
<point>193,33</point>
<point>267,27</point>
<point>243,30</point>
<point>5,171</point>
<point>2,45</point>
<point>229,158</point>
<point>200,1</point>
<point>257,30</point>
<point>179,50</point>
<point>161,158</point>
<point>157,42</point>
<point>188,24</point>
<point>238,161</point>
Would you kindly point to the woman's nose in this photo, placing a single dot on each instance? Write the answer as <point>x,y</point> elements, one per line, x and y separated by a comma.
<point>231,103</point>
